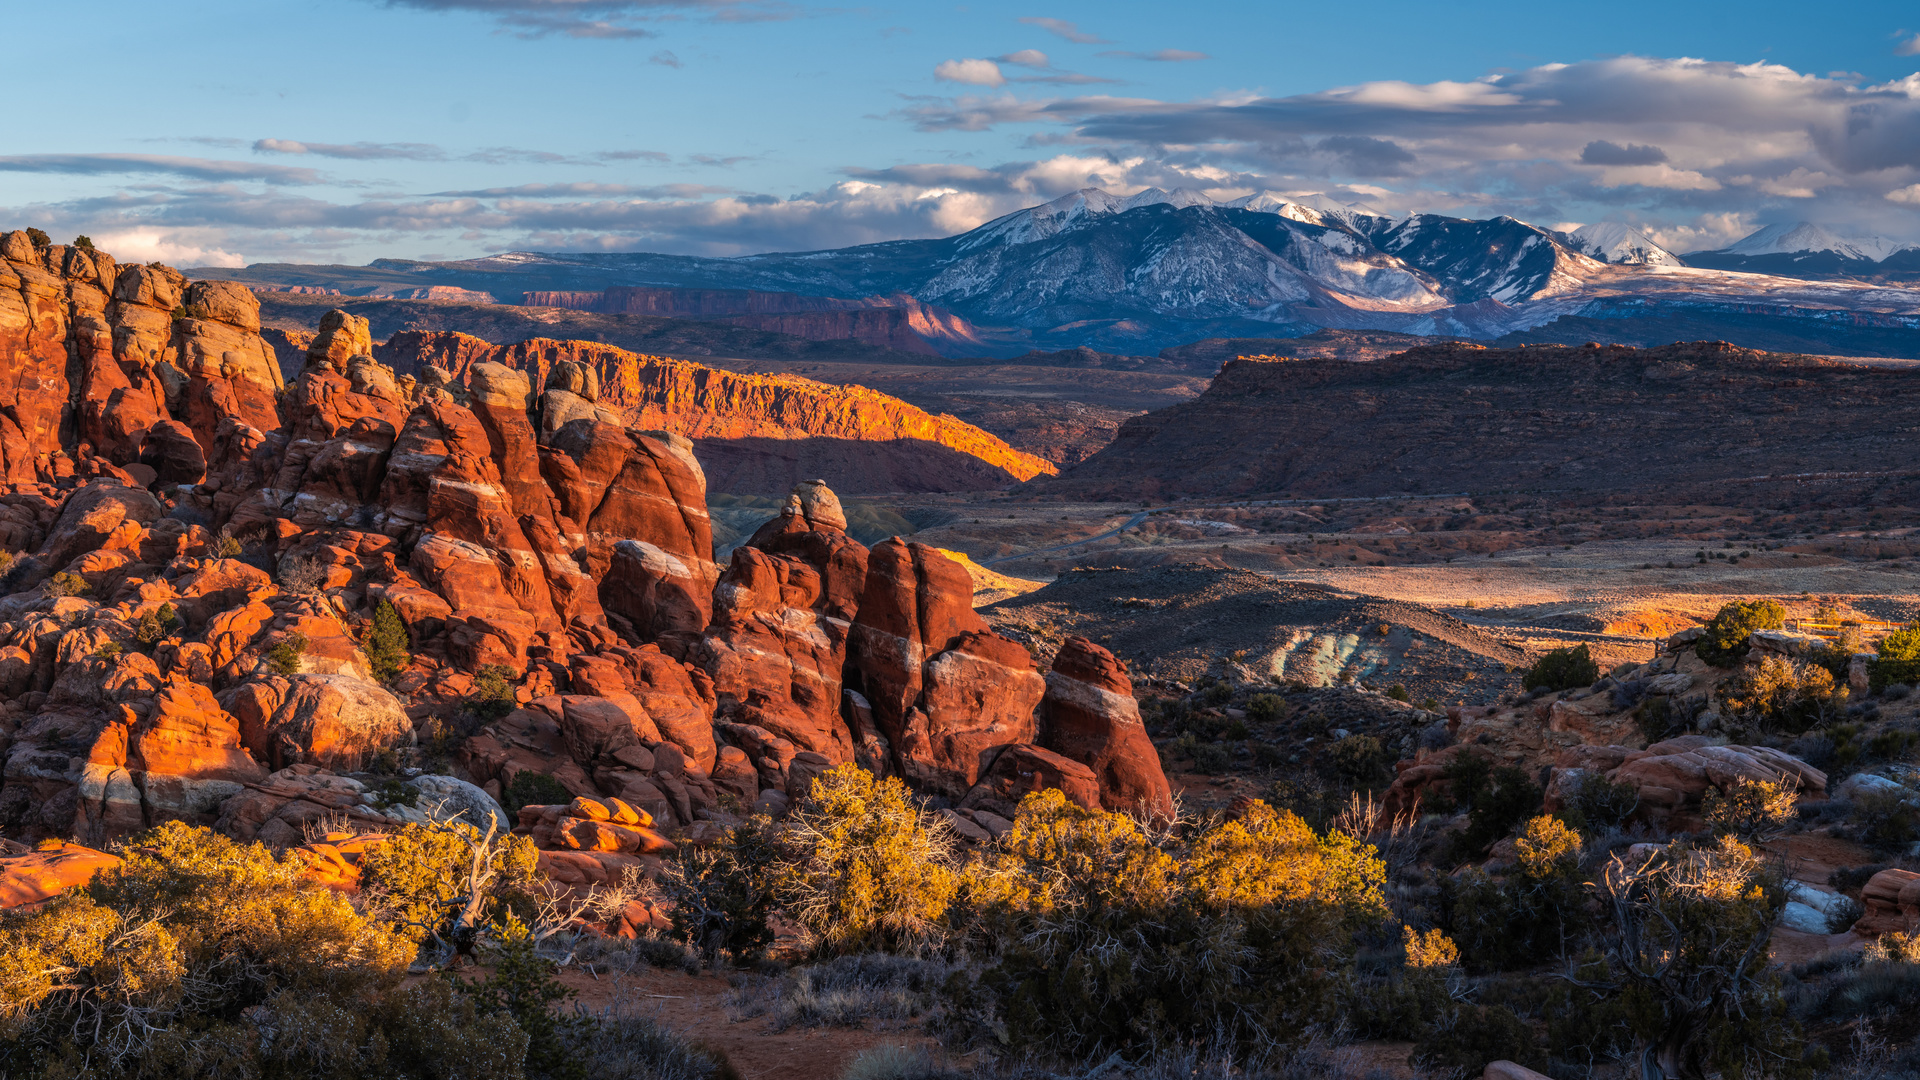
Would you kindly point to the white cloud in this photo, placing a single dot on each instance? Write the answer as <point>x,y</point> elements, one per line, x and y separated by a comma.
<point>971,72</point>
<point>1909,47</point>
<point>141,245</point>
<point>1909,195</point>
<point>1032,58</point>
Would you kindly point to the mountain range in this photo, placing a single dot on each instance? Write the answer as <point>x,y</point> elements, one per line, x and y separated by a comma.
<point>1158,269</point>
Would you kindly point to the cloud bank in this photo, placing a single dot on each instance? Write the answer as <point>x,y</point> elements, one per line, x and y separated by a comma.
<point>1696,153</point>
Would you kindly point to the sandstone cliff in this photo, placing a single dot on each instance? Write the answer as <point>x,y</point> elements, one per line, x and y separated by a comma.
<point>747,424</point>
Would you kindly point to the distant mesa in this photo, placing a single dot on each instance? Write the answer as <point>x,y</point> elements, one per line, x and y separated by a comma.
<point>897,321</point>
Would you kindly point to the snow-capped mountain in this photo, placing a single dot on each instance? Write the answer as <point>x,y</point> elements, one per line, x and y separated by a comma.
<point>1163,268</point>
<point>1612,242</point>
<point>1804,249</point>
<point>1805,236</point>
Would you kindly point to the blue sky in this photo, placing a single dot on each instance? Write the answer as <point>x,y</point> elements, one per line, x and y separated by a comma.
<point>223,131</point>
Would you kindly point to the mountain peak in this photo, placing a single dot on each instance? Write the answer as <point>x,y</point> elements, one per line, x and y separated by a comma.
<point>1612,242</point>
<point>1807,237</point>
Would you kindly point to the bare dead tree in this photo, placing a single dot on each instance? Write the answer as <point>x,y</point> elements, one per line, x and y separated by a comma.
<point>1691,927</point>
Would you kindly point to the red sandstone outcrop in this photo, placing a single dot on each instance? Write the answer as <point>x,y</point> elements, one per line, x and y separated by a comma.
<point>947,692</point>
<point>510,519</point>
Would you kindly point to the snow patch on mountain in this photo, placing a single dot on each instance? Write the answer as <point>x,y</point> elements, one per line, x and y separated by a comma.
<point>1805,236</point>
<point>1612,242</point>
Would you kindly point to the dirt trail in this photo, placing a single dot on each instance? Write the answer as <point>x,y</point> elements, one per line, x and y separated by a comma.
<point>695,1007</point>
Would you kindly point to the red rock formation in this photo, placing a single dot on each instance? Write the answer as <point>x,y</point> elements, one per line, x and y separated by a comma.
<point>946,691</point>
<point>1089,715</point>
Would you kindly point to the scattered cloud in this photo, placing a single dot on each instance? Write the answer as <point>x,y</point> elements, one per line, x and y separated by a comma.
<point>601,19</point>
<point>1173,56</point>
<point>361,151</point>
<point>972,72</point>
<point>1065,29</point>
<point>1909,47</point>
<point>665,58</point>
<point>1032,58</point>
<point>578,190</point>
<point>1909,195</point>
<point>1364,155</point>
<point>1602,152</point>
<point>186,167</point>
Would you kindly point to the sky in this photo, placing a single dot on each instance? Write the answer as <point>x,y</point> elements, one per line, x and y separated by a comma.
<point>227,132</point>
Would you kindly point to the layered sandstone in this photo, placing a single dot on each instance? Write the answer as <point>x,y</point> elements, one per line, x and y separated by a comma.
<point>706,404</point>
<point>898,321</point>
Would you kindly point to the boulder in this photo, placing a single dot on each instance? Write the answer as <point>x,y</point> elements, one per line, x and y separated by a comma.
<point>1891,899</point>
<point>1020,770</point>
<point>455,798</point>
<point>333,722</point>
<point>31,877</point>
<point>1089,714</point>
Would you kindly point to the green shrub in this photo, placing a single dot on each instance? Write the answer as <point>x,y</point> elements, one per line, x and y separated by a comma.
<point>156,625</point>
<point>83,242</point>
<point>1399,693</point>
<point>522,986</point>
<point>1885,821</point>
<point>1212,758</point>
<point>1113,940</point>
<point>868,869</point>
<point>39,238</point>
<point>493,695</point>
<point>1563,669</point>
<point>228,546</point>
<point>65,584</point>
<point>386,643</point>
<point>724,894</point>
<point>1266,708</point>
<point>1780,695</point>
<point>285,658</point>
<point>1724,640</point>
<point>1598,804</point>
<point>1360,761</point>
<point>1496,800</point>
<point>531,788</point>
<point>1898,659</point>
<point>423,877</point>
<point>109,650</point>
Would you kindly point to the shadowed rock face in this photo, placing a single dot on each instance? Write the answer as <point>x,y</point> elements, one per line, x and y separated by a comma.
<point>206,650</point>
